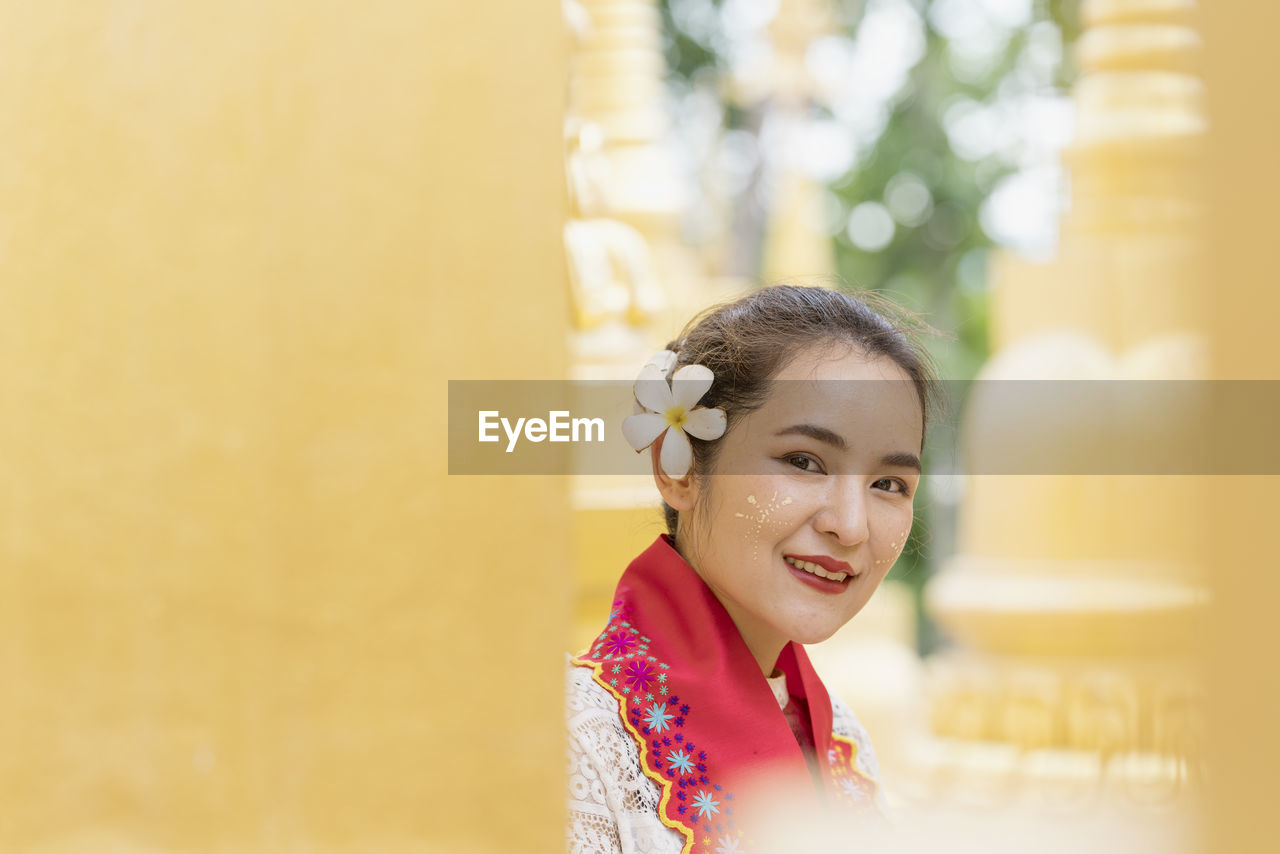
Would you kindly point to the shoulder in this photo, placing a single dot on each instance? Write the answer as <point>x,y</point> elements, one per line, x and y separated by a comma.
<point>599,749</point>
<point>845,723</point>
<point>584,694</point>
<point>595,725</point>
<point>613,805</point>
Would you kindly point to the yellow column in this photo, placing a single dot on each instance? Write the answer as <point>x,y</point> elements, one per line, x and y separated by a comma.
<point>634,282</point>
<point>1078,601</point>
<point>1243,684</point>
<point>243,246</point>
<point>795,243</point>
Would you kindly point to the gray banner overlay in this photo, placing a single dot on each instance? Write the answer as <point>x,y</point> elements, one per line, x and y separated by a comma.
<point>1039,427</point>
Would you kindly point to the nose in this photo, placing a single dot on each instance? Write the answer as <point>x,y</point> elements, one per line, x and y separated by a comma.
<point>844,513</point>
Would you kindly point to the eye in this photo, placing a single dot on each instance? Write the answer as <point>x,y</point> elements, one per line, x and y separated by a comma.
<point>804,462</point>
<point>902,487</point>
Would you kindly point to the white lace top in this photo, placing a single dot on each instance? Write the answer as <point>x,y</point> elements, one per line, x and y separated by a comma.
<point>613,806</point>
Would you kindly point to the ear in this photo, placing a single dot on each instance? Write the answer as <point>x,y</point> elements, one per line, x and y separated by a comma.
<point>679,493</point>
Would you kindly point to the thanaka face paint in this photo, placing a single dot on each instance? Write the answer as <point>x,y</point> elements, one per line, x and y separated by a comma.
<point>760,517</point>
<point>897,546</point>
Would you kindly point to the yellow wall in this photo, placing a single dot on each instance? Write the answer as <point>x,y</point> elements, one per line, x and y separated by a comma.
<point>243,245</point>
<point>1244,184</point>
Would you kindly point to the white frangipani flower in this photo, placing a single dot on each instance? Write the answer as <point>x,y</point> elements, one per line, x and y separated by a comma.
<point>672,409</point>
<point>664,361</point>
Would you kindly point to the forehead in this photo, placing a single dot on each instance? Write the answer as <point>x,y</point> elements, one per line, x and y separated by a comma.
<point>871,402</point>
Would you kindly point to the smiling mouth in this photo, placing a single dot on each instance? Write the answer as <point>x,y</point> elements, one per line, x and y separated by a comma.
<point>814,569</point>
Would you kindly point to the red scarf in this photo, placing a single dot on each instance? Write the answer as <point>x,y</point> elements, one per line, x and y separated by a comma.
<point>706,722</point>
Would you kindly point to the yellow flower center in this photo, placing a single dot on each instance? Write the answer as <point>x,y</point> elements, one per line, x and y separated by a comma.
<point>676,416</point>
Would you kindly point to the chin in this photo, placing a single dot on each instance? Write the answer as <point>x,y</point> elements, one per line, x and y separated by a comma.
<point>814,635</point>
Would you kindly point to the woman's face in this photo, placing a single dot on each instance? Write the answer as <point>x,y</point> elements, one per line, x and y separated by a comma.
<point>821,477</point>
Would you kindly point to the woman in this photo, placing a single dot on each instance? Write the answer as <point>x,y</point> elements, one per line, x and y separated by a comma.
<point>696,707</point>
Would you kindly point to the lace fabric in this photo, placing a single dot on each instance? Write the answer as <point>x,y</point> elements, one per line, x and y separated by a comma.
<point>613,806</point>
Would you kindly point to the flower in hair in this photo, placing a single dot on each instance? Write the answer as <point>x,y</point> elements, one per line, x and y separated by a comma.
<point>672,409</point>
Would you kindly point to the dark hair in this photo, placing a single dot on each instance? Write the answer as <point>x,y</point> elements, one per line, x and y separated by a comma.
<point>746,342</point>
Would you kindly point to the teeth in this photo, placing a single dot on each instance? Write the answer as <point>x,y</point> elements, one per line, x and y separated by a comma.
<point>814,569</point>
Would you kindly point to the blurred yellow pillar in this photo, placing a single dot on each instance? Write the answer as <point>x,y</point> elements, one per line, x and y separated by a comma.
<point>1244,182</point>
<point>1077,599</point>
<point>243,247</point>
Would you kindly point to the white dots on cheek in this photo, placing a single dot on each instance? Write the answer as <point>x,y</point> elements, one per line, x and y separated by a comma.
<point>763,515</point>
<point>782,520</point>
<point>896,547</point>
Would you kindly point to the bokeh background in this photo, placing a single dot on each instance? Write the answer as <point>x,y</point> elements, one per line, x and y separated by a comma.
<point>244,246</point>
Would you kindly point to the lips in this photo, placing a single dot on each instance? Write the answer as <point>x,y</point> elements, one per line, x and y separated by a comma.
<point>821,566</point>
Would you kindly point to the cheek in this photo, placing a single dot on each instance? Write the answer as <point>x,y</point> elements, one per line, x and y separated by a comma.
<point>892,542</point>
<point>763,513</point>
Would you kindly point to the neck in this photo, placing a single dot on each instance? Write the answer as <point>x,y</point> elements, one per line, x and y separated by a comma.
<point>765,652</point>
<point>764,644</point>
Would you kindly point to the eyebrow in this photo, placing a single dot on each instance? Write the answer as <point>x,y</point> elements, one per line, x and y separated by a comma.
<point>901,459</point>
